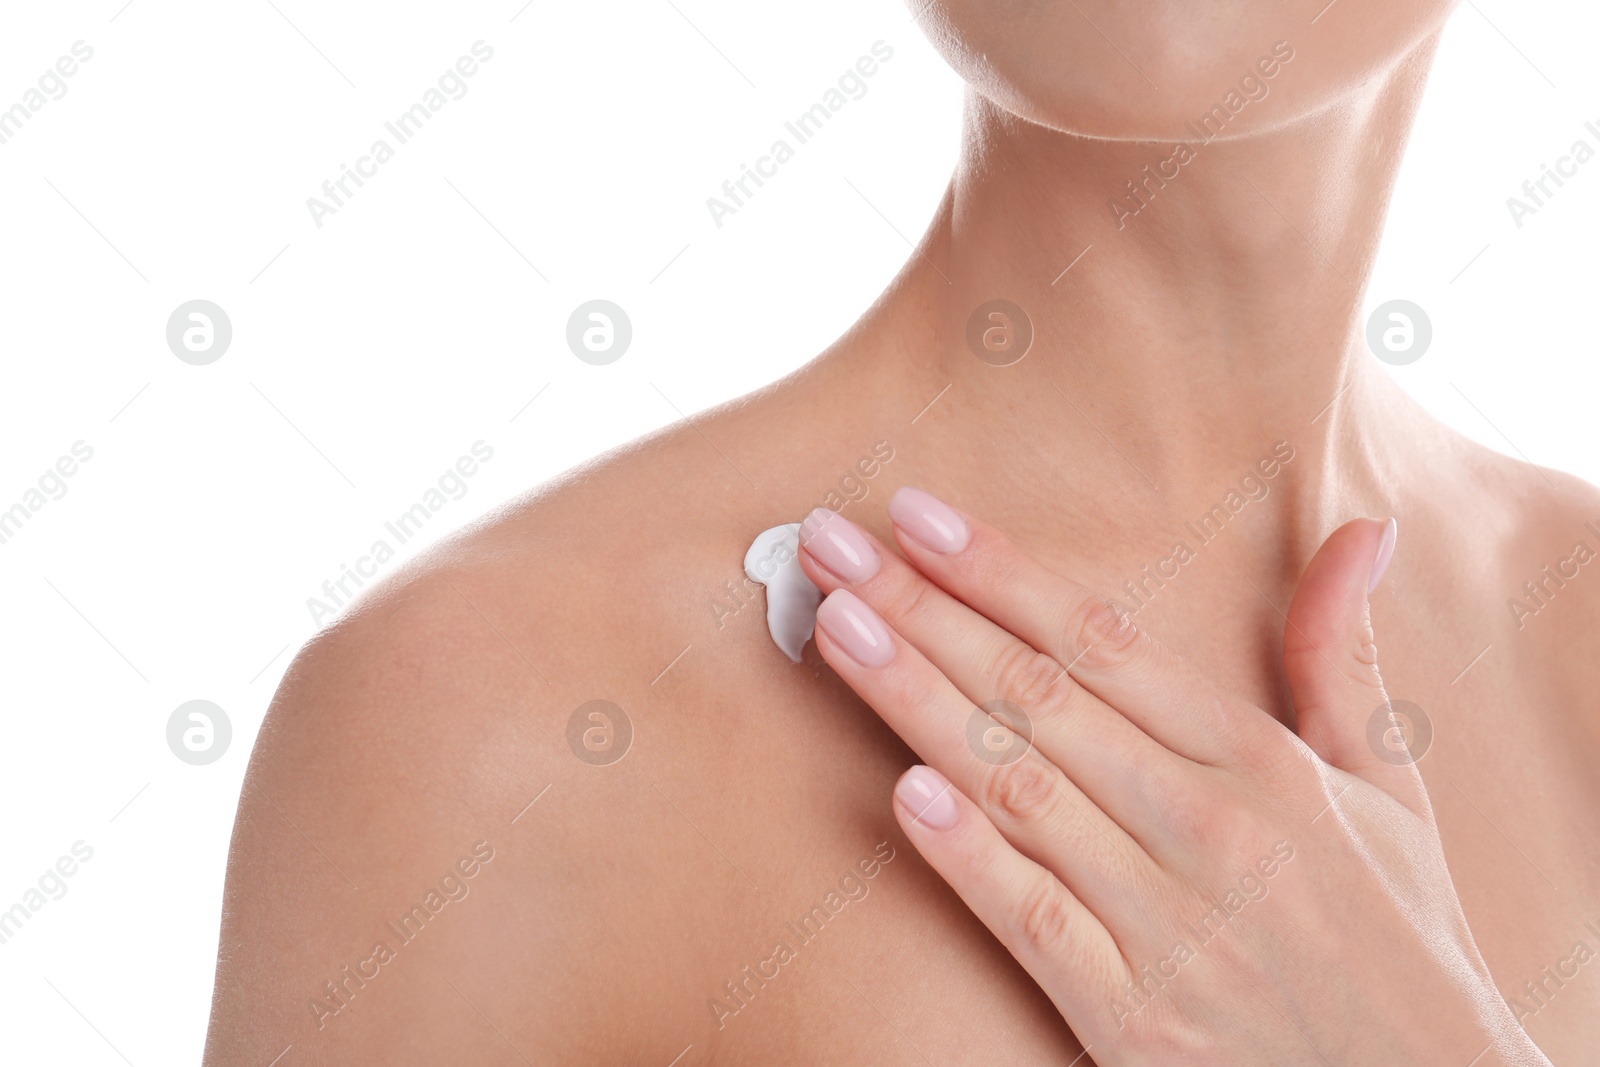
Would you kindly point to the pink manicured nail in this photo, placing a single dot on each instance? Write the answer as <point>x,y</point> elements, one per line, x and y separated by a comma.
<point>856,628</point>
<point>926,794</point>
<point>1380,562</point>
<point>839,545</point>
<point>928,521</point>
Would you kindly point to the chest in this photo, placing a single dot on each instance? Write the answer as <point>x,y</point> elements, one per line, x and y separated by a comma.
<point>836,965</point>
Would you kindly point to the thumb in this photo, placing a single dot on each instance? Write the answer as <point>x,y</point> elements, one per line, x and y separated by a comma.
<point>1331,660</point>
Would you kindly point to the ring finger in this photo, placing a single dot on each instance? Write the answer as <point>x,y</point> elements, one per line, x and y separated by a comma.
<point>1028,798</point>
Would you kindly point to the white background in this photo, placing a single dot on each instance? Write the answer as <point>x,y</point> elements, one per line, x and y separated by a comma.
<point>425,314</point>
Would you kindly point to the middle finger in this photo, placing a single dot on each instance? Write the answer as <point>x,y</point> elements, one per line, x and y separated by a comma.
<point>1130,776</point>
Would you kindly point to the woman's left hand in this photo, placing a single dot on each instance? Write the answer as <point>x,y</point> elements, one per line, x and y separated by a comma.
<point>1188,880</point>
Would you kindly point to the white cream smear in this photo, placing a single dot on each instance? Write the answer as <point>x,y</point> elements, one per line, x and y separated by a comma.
<point>774,561</point>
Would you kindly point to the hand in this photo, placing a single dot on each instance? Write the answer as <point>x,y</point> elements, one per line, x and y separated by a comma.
<point>1189,881</point>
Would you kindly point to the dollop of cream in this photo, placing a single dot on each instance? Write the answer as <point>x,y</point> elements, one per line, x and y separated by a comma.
<point>774,561</point>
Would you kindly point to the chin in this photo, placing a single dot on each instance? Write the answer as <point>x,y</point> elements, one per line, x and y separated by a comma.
<point>1119,71</point>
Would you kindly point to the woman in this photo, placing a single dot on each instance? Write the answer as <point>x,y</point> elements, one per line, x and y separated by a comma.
<point>553,794</point>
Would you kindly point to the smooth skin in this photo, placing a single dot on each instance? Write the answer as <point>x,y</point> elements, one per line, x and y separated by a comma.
<point>1215,332</point>
<point>1099,820</point>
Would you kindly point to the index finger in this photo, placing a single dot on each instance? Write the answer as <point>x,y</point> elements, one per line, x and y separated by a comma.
<point>1090,635</point>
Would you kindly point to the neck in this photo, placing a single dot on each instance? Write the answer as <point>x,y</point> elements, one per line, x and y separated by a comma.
<point>1190,307</point>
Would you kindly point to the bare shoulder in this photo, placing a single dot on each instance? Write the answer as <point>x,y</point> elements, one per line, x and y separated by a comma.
<point>1550,573</point>
<point>1513,550</point>
<point>463,787</point>
<point>1548,542</point>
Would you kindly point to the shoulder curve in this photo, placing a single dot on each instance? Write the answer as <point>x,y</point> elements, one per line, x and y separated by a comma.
<point>435,714</point>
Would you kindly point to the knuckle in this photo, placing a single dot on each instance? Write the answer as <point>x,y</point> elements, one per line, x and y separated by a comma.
<point>1025,676</point>
<point>1216,816</point>
<point>907,596</point>
<point>1161,1033</point>
<point>1361,665</point>
<point>1046,917</point>
<point>1278,763</point>
<point>910,694</point>
<point>1021,792</point>
<point>1266,747</point>
<point>1366,651</point>
<point>1364,664</point>
<point>1327,650</point>
<point>1294,773</point>
<point>1230,830</point>
<point>1101,633</point>
<point>1175,796</point>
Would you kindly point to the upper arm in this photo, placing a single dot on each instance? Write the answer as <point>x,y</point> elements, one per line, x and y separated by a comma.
<point>390,779</point>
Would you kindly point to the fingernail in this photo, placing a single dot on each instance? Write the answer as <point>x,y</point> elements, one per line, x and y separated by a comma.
<point>926,794</point>
<point>856,628</point>
<point>928,521</point>
<point>839,545</point>
<point>1380,562</point>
